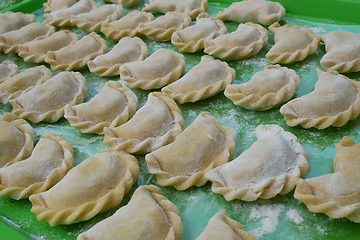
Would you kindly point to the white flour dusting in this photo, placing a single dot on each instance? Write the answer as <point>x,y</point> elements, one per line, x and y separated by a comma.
<point>294,216</point>
<point>269,216</point>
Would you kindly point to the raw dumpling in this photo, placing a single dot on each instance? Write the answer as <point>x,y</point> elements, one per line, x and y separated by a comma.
<point>76,56</point>
<point>7,69</point>
<point>36,50</point>
<point>162,67</point>
<point>256,11</point>
<point>50,160</point>
<point>334,101</point>
<point>113,106</point>
<point>202,146</point>
<point>62,17</point>
<point>247,40</point>
<point>95,185</point>
<point>126,50</point>
<point>154,125</point>
<point>266,89</point>
<point>46,100</point>
<point>10,21</point>
<point>204,80</point>
<point>126,26</point>
<point>10,42</point>
<point>190,7</point>
<point>161,29</point>
<point>191,39</point>
<point>220,226</point>
<point>335,194</point>
<point>343,51</point>
<point>292,43</point>
<point>54,5</point>
<point>148,215</point>
<point>17,139</point>
<point>91,21</point>
<point>272,165</point>
<point>125,3</point>
<point>15,85</point>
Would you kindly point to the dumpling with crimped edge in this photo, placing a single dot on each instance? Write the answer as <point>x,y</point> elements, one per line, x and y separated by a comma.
<point>126,50</point>
<point>271,166</point>
<point>13,86</point>
<point>54,5</point>
<point>8,69</point>
<point>162,67</point>
<point>46,100</point>
<point>335,194</point>
<point>76,56</point>
<point>10,42</point>
<point>190,7</point>
<point>334,101</point>
<point>202,146</point>
<point>50,160</point>
<point>91,21</point>
<point>36,50</point>
<point>246,41</point>
<point>256,11</point>
<point>148,213</point>
<point>113,106</point>
<point>95,185</point>
<point>154,125</point>
<point>127,26</point>
<point>17,138</point>
<point>266,89</point>
<point>10,21</point>
<point>191,39</point>
<point>292,43</point>
<point>343,51</point>
<point>62,17</point>
<point>204,80</point>
<point>161,29</point>
<point>220,226</point>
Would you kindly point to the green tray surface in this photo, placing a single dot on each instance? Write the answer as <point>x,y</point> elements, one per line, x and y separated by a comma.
<point>281,217</point>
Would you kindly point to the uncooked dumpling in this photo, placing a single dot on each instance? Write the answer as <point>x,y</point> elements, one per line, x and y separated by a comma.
<point>7,69</point>
<point>91,21</point>
<point>204,80</point>
<point>220,226</point>
<point>126,50</point>
<point>95,185</point>
<point>154,125</point>
<point>54,5</point>
<point>334,101</point>
<point>148,215</point>
<point>162,67</point>
<point>342,51</point>
<point>246,41</point>
<point>292,43</point>
<point>50,160</point>
<point>266,89</point>
<point>36,50</point>
<point>272,165</point>
<point>191,39</point>
<point>17,139</point>
<point>13,86</point>
<point>113,106</point>
<point>202,146</point>
<point>256,11</point>
<point>10,21</point>
<point>335,194</point>
<point>76,56</point>
<point>46,100</point>
<point>62,17</point>
<point>10,42</point>
<point>126,26</point>
<point>190,7</point>
<point>161,29</point>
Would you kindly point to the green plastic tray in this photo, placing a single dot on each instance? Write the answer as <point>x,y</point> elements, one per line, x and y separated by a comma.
<point>281,217</point>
